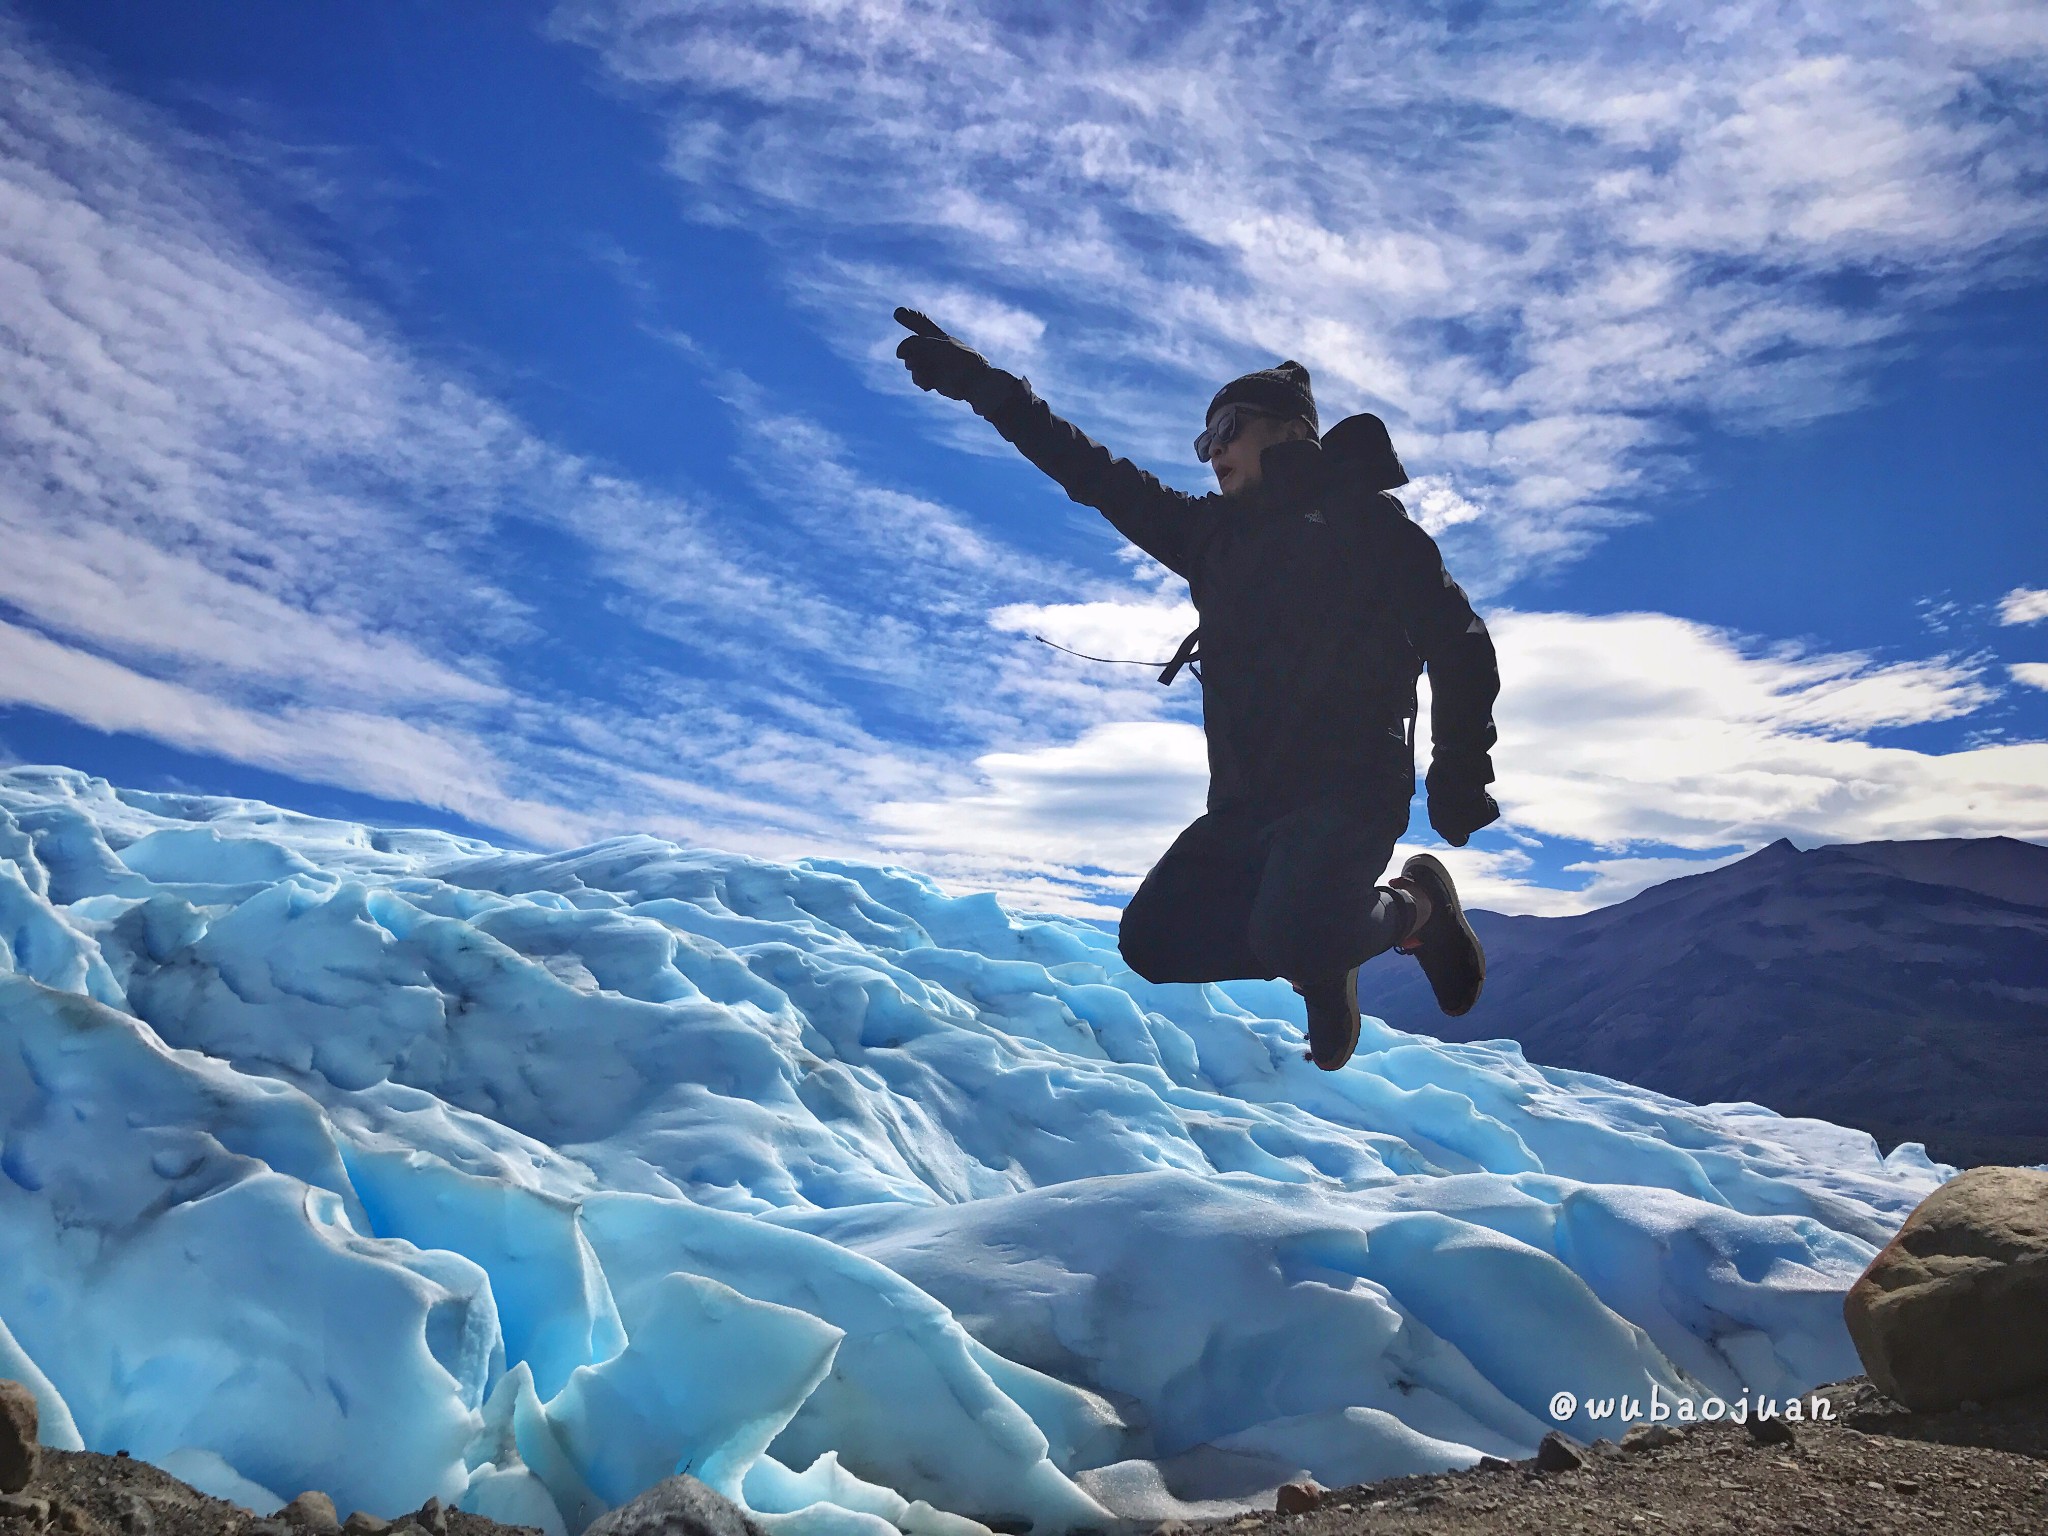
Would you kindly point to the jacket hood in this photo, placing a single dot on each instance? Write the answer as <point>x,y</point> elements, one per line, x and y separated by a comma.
<point>1356,453</point>
<point>1361,444</point>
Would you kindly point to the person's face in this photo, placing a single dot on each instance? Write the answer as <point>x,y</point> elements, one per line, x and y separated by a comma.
<point>1236,463</point>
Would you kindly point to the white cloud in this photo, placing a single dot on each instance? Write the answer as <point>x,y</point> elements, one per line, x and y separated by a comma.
<point>373,753</point>
<point>1123,631</point>
<point>994,324</point>
<point>1076,819</point>
<point>1611,880</point>
<point>115,589</point>
<point>1502,880</point>
<point>2023,605</point>
<point>1642,728</point>
<point>1533,240</point>
<point>2033,673</point>
<point>1435,503</point>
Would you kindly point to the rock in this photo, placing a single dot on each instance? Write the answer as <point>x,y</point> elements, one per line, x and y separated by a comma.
<point>431,1518</point>
<point>1300,1498</point>
<point>1495,1464</point>
<point>19,1453</point>
<point>1172,1528</point>
<point>311,1511</point>
<point>363,1523</point>
<point>677,1506</point>
<point>1772,1432</point>
<point>1558,1452</point>
<point>1955,1307</point>
<point>69,1517</point>
<point>26,1507</point>
<point>1650,1437</point>
<point>135,1515</point>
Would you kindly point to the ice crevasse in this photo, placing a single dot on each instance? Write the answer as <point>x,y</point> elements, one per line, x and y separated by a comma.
<point>395,1164</point>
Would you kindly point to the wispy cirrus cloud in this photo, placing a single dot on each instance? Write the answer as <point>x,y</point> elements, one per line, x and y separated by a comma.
<point>1536,242</point>
<point>111,587</point>
<point>363,749</point>
<point>243,517</point>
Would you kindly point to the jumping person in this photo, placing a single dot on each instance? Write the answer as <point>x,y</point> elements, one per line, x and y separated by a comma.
<point>1319,604</point>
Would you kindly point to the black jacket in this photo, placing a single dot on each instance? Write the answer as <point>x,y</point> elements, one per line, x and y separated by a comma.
<point>1320,603</point>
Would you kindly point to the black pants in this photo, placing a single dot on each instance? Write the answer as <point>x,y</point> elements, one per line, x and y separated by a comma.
<point>1258,892</point>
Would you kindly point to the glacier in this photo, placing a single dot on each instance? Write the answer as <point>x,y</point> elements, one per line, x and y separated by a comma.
<point>396,1164</point>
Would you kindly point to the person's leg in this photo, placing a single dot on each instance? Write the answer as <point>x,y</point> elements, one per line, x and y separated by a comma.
<point>1320,914</point>
<point>1320,911</point>
<point>1191,918</point>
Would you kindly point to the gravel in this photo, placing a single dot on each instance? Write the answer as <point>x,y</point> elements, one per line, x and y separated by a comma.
<point>1879,1469</point>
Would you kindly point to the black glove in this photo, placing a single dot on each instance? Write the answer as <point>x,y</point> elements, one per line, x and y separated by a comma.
<point>1458,802</point>
<point>937,361</point>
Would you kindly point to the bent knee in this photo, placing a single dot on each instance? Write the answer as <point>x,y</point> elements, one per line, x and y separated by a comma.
<point>1146,944</point>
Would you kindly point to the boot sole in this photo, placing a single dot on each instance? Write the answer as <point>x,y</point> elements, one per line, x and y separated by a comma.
<point>1443,897</point>
<point>1357,1021</point>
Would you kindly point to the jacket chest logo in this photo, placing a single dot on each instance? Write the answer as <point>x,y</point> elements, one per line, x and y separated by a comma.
<point>1314,517</point>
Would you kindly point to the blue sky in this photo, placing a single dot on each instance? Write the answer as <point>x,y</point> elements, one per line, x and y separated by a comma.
<point>486,416</point>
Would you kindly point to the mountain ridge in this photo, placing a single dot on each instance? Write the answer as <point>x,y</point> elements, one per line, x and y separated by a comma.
<point>1897,986</point>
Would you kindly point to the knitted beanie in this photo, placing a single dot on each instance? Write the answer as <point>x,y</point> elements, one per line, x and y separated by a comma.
<point>1284,391</point>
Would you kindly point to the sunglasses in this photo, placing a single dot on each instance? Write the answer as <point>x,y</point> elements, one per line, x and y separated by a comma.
<point>1229,422</point>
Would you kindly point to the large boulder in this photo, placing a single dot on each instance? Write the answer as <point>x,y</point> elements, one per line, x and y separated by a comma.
<point>19,1452</point>
<point>1955,1306</point>
<point>677,1506</point>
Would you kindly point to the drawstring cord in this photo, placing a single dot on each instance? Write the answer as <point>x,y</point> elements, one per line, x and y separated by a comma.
<point>1113,661</point>
<point>1187,656</point>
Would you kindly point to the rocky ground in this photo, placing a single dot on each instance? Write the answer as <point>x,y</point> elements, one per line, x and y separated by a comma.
<point>77,1493</point>
<point>1877,1469</point>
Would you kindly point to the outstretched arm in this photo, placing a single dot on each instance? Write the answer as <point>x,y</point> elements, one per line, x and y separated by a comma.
<point>1150,514</point>
<point>1464,680</point>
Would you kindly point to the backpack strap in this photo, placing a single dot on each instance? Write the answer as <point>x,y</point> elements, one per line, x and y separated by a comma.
<point>1189,655</point>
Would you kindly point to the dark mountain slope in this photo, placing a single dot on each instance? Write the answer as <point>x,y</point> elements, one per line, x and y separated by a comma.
<point>1899,987</point>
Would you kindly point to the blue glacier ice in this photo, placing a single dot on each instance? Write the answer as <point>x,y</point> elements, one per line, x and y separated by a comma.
<point>395,1164</point>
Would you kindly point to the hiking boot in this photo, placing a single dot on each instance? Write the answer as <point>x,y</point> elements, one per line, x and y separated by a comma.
<point>1446,945</point>
<point>1332,1018</point>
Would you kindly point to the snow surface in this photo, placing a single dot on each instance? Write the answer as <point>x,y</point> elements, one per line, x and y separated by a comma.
<point>394,1164</point>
